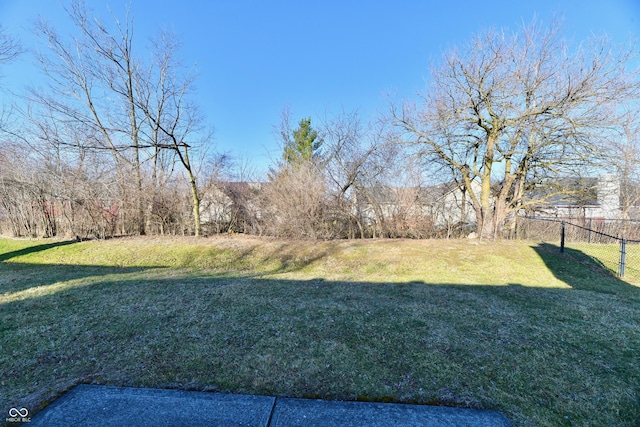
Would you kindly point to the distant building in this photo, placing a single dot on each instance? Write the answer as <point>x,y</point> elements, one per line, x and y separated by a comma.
<point>229,205</point>
<point>443,205</point>
<point>593,198</point>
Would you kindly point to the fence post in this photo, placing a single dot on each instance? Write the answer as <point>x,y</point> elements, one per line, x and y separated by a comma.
<point>562,238</point>
<point>623,256</point>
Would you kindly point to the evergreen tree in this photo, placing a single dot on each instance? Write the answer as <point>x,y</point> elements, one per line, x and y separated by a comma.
<point>304,146</point>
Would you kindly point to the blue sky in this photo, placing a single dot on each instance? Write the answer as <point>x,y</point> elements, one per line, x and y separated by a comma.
<point>316,57</point>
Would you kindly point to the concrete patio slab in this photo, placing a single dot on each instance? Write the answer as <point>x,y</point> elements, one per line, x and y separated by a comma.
<point>101,406</point>
<point>302,412</point>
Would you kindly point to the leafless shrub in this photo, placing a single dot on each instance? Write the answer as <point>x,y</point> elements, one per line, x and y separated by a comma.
<point>293,204</point>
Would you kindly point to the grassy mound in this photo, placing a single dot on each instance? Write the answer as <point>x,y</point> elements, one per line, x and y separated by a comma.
<point>544,337</point>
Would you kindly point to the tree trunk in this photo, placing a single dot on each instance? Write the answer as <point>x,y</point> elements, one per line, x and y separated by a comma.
<point>196,206</point>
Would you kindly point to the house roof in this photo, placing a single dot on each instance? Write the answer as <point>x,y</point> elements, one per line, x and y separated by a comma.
<point>568,192</point>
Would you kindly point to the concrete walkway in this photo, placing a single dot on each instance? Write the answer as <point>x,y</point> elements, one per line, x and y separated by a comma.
<point>99,406</point>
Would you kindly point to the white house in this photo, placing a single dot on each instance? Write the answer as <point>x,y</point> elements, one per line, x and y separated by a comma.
<point>443,205</point>
<point>227,204</point>
<point>594,198</point>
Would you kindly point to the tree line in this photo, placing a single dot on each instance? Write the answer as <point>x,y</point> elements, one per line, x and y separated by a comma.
<point>115,145</point>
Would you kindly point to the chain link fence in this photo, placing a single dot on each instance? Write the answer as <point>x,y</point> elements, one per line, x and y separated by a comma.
<point>614,244</point>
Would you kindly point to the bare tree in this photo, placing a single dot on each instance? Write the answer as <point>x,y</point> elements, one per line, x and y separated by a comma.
<point>71,186</point>
<point>91,80</point>
<point>137,110</point>
<point>10,48</point>
<point>624,152</point>
<point>356,156</point>
<point>174,121</point>
<point>514,110</point>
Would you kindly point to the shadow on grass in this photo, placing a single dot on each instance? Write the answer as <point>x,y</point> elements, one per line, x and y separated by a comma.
<point>20,277</point>
<point>581,271</point>
<point>279,259</point>
<point>511,348</point>
<point>32,249</point>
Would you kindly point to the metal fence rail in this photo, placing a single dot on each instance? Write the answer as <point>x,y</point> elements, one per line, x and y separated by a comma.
<point>614,244</point>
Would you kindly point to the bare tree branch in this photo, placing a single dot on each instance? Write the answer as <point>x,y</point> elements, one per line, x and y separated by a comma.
<point>513,110</point>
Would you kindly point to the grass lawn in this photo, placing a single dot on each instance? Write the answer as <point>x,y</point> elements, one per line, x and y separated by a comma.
<point>546,338</point>
<point>608,255</point>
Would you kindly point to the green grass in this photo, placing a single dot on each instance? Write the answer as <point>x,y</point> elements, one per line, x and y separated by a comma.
<point>546,338</point>
<point>608,255</point>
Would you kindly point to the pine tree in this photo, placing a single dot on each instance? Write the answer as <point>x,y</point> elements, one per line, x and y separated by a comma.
<point>304,146</point>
